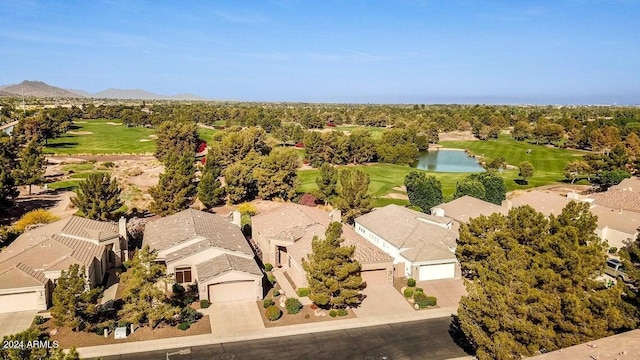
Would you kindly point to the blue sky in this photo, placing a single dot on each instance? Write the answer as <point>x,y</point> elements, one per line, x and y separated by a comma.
<point>457,51</point>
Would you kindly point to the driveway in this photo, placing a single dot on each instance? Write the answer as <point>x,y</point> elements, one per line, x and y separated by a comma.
<point>234,317</point>
<point>381,301</point>
<point>11,323</point>
<point>447,291</point>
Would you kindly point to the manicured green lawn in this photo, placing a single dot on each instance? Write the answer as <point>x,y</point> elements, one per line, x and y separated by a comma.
<point>376,132</point>
<point>102,137</point>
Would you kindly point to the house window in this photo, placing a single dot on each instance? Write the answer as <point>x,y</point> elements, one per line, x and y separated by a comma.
<point>183,274</point>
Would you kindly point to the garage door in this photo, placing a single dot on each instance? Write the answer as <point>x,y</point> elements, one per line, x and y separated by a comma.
<point>232,291</point>
<point>18,302</point>
<point>374,277</point>
<point>435,272</point>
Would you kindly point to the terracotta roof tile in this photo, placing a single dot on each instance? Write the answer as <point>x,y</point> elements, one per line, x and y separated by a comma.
<point>219,265</point>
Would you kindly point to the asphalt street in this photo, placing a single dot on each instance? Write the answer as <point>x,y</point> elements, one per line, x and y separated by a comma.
<point>424,339</point>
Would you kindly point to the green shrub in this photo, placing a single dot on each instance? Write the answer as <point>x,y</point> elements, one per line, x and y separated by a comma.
<point>432,301</point>
<point>613,250</point>
<point>271,278</point>
<point>39,320</point>
<point>408,292</point>
<point>411,282</point>
<point>183,326</point>
<point>267,302</point>
<point>204,303</point>
<point>302,292</point>
<point>108,164</point>
<point>268,267</point>
<point>123,323</point>
<point>178,290</point>
<point>343,312</point>
<point>273,313</point>
<point>421,299</point>
<point>293,305</point>
<point>419,290</point>
<point>247,209</point>
<point>189,315</point>
<point>276,292</point>
<point>333,313</point>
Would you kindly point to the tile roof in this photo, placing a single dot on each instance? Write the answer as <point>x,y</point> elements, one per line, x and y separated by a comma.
<point>627,221</point>
<point>464,208</point>
<point>631,184</point>
<point>299,224</point>
<point>20,276</point>
<point>542,201</point>
<point>618,199</point>
<point>620,346</point>
<point>187,225</point>
<point>219,265</point>
<point>420,237</point>
<point>55,246</point>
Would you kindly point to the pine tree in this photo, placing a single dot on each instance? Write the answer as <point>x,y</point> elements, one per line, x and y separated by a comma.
<point>327,182</point>
<point>176,189</point>
<point>210,190</point>
<point>30,165</point>
<point>144,302</point>
<point>333,275</point>
<point>424,191</point>
<point>353,194</point>
<point>8,190</point>
<point>494,186</point>
<point>276,176</point>
<point>534,283</point>
<point>175,137</point>
<point>72,302</point>
<point>98,197</point>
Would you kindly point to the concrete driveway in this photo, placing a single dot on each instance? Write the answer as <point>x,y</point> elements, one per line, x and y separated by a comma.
<point>447,291</point>
<point>381,301</point>
<point>11,323</point>
<point>234,317</point>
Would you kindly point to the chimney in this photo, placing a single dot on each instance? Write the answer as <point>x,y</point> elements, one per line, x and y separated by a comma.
<point>122,231</point>
<point>335,215</point>
<point>437,211</point>
<point>237,218</point>
<point>507,204</point>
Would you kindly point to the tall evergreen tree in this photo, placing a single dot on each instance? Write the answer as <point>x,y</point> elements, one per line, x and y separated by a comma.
<point>494,186</point>
<point>30,165</point>
<point>424,191</point>
<point>176,188</point>
<point>73,303</point>
<point>276,176</point>
<point>210,190</point>
<point>534,283</point>
<point>327,182</point>
<point>176,137</point>
<point>333,275</point>
<point>8,190</point>
<point>98,197</point>
<point>144,302</point>
<point>471,187</point>
<point>353,194</point>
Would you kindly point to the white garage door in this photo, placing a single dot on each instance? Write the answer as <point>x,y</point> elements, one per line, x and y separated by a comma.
<point>18,302</point>
<point>374,277</point>
<point>435,272</point>
<point>232,291</point>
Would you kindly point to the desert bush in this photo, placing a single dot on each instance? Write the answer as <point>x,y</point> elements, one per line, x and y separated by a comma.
<point>613,250</point>
<point>302,292</point>
<point>408,292</point>
<point>204,303</point>
<point>184,326</point>
<point>267,302</point>
<point>308,200</point>
<point>293,305</point>
<point>411,282</point>
<point>421,300</point>
<point>38,216</point>
<point>271,278</point>
<point>276,292</point>
<point>189,315</point>
<point>432,301</point>
<point>247,209</point>
<point>273,313</point>
<point>268,267</point>
<point>108,164</point>
<point>343,312</point>
<point>333,313</point>
<point>39,320</point>
<point>419,290</point>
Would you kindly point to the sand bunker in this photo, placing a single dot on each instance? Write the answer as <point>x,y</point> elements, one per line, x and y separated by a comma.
<point>113,123</point>
<point>79,122</point>
<point>396,196</point>
<point>80,132</point>
<point>153,136</point>
<point>144,140</point>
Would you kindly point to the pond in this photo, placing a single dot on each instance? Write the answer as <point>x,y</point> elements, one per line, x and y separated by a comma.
<point>448,160</point>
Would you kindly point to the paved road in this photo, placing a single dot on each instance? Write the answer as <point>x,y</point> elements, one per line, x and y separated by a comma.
<point>424,339</point>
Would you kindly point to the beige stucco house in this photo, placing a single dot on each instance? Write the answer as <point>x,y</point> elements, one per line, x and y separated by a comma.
<point>205,249</point>
<point>284,235</point>
<point>30,266</point>
<point>422,246</point>
<point>467,207</point>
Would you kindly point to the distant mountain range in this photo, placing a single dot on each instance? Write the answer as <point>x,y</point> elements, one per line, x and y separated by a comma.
<point>43,90</point>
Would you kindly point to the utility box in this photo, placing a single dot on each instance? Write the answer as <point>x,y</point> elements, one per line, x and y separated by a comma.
<point>120,333</point>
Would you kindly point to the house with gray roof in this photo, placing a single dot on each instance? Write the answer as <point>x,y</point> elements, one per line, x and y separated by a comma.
<point>284,235</point>
<point>467,207</point>
<point>31,264</point>
<point>422,246</point>
<point>207,250</point>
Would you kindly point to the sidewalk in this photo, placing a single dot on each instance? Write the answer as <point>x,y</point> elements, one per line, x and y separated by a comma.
<point>207,339</point>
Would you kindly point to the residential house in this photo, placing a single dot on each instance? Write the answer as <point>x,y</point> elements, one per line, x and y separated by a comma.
<point>31,265</point>
<point>467,207</point>
<point>422,246</point>
<point>205,249</point>
<point>544,202</point>
<point>284,235</point>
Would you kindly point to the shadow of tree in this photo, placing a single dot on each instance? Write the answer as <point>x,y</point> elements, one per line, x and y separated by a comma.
<point>521,182</point>
<point>458,336</point>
